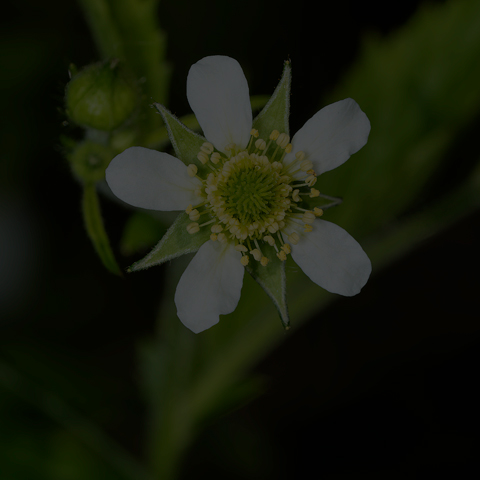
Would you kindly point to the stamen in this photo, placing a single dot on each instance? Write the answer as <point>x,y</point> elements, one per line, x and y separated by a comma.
<point>274,135</point>
<point>216,228</point>
<point>257,255</point>
<point>215,157</point>
<point>194,215</point>
<point>308,217</point>
<point>203,157</point>
<point>300,156</point>
<point>207,147</point>
<point>261,144</point>
<point>311,180</point>
<point>193,228</point>
<point>306,165</point>
<point>269,239</point>
<point>293,238</point>
<point>207,223</point>
<point>282,140</point>
<point>192,170</point>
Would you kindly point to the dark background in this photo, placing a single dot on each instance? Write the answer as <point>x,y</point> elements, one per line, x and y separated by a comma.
<point>382,385</point>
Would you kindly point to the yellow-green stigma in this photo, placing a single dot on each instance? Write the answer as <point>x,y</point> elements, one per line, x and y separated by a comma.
<point>250,197</point>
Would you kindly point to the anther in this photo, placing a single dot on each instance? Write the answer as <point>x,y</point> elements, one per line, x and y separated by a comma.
<point>188,209</point>
<point>203,157</point>
<point>283,140</point>
<point>314,193</point>
<point>244,260</point>
<point>254,132</point>
<point>308,217</point>
<point>260,144</point>
<point>300,156</point>
<point>318,212</point>
<point>288,148</point>
<point>207,147</point>
<point>308,228</point>
<point>293,238</point>
<point>295,195</point>
<point>269,239</point>
<point>241,248</point>
<point>215,157</point>
<point>257,255</point>
<point>192,170</point>
<point>287,248</point>
<point>213,237</point>
<point>216,228</point>
<point>230,147</point>
<point>306,165</point>
<point>194,215</point>
<point>274,135</point>
<point>263,261</point>
<point>311,180</point>
<point>222,238</point>
<point>193,228</point>
<point>282,255</point>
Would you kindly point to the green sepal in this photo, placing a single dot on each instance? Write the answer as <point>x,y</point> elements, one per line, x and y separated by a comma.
<point>96,230</point>
<point>185,142</point>
<point>176,242</point>
<point>272,279</point>
<point>274,115</point>
<point>159,138</point>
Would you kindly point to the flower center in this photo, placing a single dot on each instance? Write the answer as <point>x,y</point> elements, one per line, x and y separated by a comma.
<point>249,192</point>
<point>252,197</point>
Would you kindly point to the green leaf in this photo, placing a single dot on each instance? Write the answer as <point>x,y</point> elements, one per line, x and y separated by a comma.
<point>274,115</point>
<point>176,242</point>
<point>95,229</point>
<point>272,279</point>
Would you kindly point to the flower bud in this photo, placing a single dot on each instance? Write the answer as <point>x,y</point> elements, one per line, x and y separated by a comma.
<point>101,97</point>
<point>89,160</point>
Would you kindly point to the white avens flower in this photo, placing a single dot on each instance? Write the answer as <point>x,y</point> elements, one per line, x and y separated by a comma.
<point>247,192</point>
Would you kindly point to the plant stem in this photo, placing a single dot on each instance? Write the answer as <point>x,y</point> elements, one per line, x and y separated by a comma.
<point>103,28</point>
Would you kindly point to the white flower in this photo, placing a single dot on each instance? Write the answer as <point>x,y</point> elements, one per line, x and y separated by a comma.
<point>245,195</point>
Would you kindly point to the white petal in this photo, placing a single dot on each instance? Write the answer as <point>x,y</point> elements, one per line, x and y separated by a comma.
<point>149,179</point>
<point>210,286</point>
<point>217,91</point>
<point>332,135</point>
<point>332,258</point>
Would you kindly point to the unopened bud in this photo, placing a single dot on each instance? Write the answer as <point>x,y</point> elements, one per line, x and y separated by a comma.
<point>101,97</point>
<point>89,160</point>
